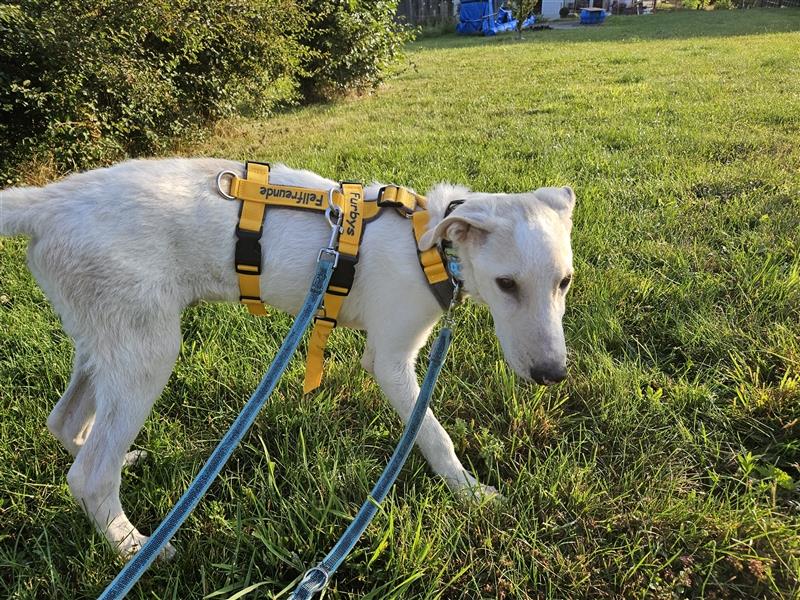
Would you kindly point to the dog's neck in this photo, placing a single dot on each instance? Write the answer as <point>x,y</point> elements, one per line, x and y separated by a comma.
<point>443,199</point>
<point>451,262</point>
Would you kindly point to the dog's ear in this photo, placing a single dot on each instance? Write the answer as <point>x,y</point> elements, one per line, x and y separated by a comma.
<point>560,199</point>
<point>467,219</point>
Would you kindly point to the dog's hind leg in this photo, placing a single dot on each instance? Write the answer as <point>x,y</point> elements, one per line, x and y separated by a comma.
<point>368,358</point>
<point>71,419</point>
<point>395,354</point>
<point>128,378</point>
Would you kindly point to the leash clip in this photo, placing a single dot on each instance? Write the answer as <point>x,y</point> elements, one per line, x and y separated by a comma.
<point>448,316</point>
<point>311,581</point>
<point>329,252</point>
<point>336,228</point>
<point>331,205</point>
<point>333,210</point>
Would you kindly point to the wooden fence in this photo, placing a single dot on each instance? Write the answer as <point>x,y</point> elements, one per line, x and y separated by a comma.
<point>426,13</point>
<point>438,13</point>
<point>766,3</point>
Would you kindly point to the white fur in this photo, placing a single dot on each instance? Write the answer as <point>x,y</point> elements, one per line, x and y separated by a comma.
<point>122,251</point>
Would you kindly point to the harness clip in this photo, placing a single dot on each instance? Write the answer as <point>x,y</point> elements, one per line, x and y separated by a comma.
<point>448,315</point>
<point>336,228</point>
<point>391,196</point>
<point>248,252</point>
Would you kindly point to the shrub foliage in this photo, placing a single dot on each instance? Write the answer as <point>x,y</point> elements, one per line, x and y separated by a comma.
<point>89,81</point>
<point>353,48</point>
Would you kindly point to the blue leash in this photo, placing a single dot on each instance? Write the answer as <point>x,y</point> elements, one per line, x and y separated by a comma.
<point>316,578</point>
<point>135,568</point>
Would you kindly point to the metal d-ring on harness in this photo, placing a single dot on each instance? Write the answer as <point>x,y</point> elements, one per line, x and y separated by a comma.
<point>316,578</point>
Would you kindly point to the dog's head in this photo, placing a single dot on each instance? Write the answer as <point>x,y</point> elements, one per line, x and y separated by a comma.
<point>516,257</point>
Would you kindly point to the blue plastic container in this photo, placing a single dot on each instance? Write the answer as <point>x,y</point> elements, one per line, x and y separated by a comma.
<point>479,16</point>
<point>592,16</point>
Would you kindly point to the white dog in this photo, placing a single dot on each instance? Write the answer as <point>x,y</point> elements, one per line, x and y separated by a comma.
<point>122,251</point>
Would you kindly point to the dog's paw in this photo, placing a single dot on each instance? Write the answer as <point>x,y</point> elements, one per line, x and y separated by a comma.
<point>167,553</point>
<point>467,488</point>
<point>133,543</point>
<point>478,492</point>
<point>134,457</point>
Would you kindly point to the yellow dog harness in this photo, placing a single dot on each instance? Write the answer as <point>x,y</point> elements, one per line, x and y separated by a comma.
<point>256,193</point>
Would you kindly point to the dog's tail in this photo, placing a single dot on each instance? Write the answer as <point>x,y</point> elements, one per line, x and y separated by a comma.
<point>21,210</point>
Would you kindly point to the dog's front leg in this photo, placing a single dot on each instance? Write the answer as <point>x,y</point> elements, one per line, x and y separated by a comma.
<point>393,367</point>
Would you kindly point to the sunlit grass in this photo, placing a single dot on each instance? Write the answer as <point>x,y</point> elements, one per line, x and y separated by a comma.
<point>666,466</point>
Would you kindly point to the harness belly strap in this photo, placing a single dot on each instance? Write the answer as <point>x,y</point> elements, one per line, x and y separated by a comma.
<point>248,243</point>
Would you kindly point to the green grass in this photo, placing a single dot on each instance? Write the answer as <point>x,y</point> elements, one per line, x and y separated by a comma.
<point>666,466</point>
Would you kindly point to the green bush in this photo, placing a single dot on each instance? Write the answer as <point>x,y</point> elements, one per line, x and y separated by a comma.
<point>91,81</point>
<point>353,42</point>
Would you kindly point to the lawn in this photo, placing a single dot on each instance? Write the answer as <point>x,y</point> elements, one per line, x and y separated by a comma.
<point>666,466</point>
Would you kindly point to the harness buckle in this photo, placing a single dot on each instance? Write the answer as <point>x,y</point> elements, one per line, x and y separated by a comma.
<point>248,252</point>
<point>333,322</point>
<point>343,274</point>
<point>390,196</point>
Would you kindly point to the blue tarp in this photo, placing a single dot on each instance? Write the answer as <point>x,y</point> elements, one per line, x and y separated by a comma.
<point>592,17</point>
<point>480,16</point>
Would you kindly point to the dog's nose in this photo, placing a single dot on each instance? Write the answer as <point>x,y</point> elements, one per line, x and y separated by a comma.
<point>548,375</point>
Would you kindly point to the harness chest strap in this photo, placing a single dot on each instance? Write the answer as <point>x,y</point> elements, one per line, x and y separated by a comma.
<point>341,282</point>
<point>433,263</point>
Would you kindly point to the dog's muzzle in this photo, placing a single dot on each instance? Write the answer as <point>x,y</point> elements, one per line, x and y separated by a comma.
<point>548,375</point>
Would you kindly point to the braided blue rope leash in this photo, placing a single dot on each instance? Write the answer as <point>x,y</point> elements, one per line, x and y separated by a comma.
<point>316,578</point>
<point>135,568</point>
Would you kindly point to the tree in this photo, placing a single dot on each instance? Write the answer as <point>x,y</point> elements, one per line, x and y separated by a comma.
<point>522,9</point>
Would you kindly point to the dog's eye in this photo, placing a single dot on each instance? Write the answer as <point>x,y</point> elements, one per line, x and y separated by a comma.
<point>565,282</point>
<point>506,284</point>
